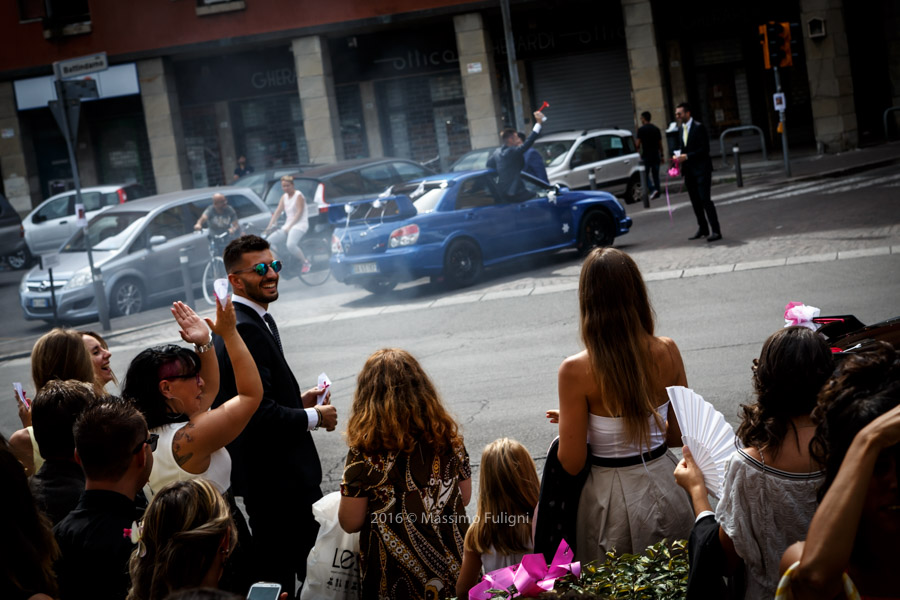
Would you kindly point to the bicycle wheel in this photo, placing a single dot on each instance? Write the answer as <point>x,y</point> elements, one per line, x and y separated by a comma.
<point>215,269</point>
<point>317,251</point>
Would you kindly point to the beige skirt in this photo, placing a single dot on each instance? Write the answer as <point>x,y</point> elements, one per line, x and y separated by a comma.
<point>626,509</point>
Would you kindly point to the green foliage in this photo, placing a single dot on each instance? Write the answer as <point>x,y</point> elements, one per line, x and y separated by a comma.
<point>659,573</point>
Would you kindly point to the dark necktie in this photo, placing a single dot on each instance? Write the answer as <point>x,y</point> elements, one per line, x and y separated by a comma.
<point>274,329</point>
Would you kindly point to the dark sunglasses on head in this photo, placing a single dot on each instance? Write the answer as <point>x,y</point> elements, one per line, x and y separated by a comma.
<point>262,268</point>
<point>151,441</point>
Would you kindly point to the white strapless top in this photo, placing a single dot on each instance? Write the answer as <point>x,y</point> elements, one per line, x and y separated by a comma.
<point>166,469</point>
<point>608,438</point>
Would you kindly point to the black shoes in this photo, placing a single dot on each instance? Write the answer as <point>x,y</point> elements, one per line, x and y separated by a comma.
<point>714,237</point>
<point>701,234</point>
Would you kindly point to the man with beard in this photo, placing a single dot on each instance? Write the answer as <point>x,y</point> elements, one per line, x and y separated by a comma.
<point>275,466</point>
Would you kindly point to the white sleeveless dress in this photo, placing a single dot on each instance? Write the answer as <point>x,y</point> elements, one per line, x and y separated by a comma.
<point>629,508</point>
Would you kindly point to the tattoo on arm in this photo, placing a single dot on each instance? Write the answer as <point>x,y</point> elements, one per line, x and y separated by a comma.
<point>183,434</point>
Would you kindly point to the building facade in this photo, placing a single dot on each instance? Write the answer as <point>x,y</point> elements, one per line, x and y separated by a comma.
<point>193,84</point>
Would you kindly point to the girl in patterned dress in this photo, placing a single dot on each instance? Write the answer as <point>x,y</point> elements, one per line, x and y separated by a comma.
<point>406,482</point>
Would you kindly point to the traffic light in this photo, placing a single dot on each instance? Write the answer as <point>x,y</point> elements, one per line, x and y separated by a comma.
<point>778,48</point>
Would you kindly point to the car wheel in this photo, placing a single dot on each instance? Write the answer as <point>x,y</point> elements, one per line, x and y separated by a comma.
<point>596,231</point>
<point>19,260</point>
<point>379,286</point>
<point>462,264</point>
<point>127,298</point>
<point>633,193</point>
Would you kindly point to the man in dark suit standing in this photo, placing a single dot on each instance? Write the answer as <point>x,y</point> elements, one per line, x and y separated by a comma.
<point>692,154</point>
<point>275,466</point>
<point>509,160</point>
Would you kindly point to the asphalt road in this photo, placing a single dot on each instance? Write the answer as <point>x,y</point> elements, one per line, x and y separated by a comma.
<point>493,350</point>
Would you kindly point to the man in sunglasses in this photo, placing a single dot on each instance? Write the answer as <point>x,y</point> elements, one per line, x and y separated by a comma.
<point>275,465</point>
<point>115,450</point>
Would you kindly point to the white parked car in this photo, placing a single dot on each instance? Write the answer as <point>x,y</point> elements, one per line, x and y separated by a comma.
<point>571,155</point>
<point>54,220</point>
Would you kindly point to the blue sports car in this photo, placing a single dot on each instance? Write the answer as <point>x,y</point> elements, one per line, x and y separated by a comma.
<point>453,225</point>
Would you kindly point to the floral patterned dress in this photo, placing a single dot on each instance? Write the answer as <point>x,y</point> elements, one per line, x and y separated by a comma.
<point>411,544</point>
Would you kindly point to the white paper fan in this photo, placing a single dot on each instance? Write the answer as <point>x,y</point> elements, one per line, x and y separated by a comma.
<point>706,432</point>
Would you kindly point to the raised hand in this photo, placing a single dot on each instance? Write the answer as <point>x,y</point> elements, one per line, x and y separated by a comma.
<point>193,329</point>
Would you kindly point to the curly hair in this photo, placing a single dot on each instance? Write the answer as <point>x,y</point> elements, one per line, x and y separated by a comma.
<point>794,364</point>
<point>395,406</point>
<point>186,526</point>
<point>864,386</point>
<point>141,385</point>
<point>616,315</point>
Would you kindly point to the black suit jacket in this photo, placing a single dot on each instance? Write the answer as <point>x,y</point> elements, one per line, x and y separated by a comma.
<point>509,161</point>
<point>275,454</point>
<point>697,150</point>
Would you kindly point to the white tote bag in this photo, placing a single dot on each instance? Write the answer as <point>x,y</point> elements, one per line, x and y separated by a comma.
<point>332,568</point>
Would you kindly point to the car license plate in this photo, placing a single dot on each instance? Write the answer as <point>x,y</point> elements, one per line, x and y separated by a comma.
<point>365,268</point>
<point>39,303</point>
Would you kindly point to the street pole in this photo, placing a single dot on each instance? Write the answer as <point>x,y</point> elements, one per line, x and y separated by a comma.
<point>69,135</point>
<point>781,120</point>
<point>515,86</point>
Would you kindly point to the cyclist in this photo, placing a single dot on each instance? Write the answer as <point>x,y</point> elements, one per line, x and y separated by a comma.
<point>220,218</point>
<point>296,224</point>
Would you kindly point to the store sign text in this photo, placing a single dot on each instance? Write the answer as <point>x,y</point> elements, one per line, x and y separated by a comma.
<point>273,79</point>
<point>416,59</point>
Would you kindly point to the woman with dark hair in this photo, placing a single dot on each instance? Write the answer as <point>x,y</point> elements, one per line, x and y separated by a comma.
<point>186,535</point>
<point>612,395</point>
<point>769,494</point>
<point>406,482</point>
<point>29,548</point>
<point>174,388</point>
<point>851,545</point>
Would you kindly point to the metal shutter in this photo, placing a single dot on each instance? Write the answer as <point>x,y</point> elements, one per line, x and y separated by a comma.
<point>585,91</point>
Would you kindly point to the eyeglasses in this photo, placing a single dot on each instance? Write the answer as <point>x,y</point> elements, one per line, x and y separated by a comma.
<point>262,268</point>
<point>195,375</point>
<point>151,441</point>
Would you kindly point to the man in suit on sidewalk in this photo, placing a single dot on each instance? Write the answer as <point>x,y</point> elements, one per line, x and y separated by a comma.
<point>275,465</point>
<point>692,154</point>
<point>509,160</point>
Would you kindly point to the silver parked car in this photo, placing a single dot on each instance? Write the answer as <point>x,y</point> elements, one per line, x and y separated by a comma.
<point>136,246</point>
<point>12,237</point>
<point>53,222</point>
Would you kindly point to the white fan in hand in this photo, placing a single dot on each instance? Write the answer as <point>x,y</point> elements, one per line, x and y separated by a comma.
<point>706,432</point>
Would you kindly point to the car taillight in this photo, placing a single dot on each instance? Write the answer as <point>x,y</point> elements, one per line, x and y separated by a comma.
<point>405,236</point>
<point>123,197</point>
<point>320,198</point>
<point>336,247</point>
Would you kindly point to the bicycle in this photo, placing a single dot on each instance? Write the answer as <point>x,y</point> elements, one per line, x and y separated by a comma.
<point>215,268</point>
<point>316,247</point>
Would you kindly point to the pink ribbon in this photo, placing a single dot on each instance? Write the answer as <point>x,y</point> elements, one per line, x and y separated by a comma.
<point>531,577</point>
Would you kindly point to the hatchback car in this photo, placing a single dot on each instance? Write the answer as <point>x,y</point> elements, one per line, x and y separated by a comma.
<point>346,180</point>
<point>53,221</point>
<point>12,236</point>
<point>570,157</point>
<point>137,248</point>
<point>453,225</point>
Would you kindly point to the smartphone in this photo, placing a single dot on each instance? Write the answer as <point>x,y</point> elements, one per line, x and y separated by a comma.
<point>264,591</point>
<point>20,394</point>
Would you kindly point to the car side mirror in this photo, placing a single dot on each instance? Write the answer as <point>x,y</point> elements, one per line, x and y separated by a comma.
<point>156,240</point>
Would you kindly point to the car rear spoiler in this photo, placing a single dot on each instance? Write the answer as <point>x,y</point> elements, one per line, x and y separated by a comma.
<point>390,208</point>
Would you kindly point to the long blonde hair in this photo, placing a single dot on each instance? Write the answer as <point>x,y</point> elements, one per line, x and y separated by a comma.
<point>61,354</point>
<point>395,406</point>
<point>186,526</point>
<point>509,489</point>
<point>616,320</point>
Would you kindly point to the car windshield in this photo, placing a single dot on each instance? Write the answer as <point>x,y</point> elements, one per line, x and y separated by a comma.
<point>107,231</point>
<point>255,182</point>
<point>424,194</point>
<point>553,152</point>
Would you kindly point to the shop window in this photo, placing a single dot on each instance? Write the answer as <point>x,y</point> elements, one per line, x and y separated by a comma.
<point>201,141</point>
<point>62,17</point>
<point>269,131</point>
<point>353,127</point>
<point>214,7</point>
